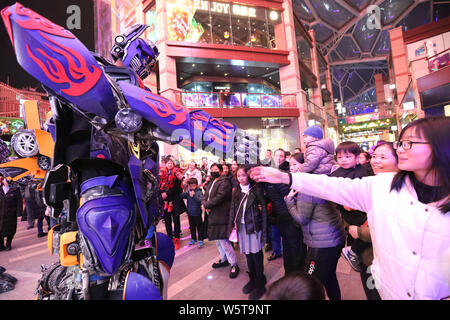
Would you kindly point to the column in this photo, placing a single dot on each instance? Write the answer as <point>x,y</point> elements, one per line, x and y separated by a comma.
<point>167,69</point>
<point>401,71</point>
<point>317,91</point>
<point>290,81</point>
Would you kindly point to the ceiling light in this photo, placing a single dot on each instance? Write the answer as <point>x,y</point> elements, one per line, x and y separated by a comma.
<point>218,66</point>
<point>201,73</point>
<point>242,67</point>
<point>181,78</point>
<point>273,15</point>
<point>225,74</point>
<point>193,64</point>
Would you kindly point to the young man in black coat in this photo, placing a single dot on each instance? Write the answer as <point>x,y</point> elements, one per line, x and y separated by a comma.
<point>294,250</point>
<point>10,209</point>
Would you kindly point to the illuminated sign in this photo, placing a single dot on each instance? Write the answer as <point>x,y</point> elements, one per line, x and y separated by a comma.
<point>378,124</point>
<point>224,8</point>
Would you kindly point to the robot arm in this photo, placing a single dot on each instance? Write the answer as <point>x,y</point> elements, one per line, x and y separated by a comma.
<point>193,130</point>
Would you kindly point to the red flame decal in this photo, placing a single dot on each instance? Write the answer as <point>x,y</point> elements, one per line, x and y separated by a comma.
<point>164,109</point>
<point>78,68</point>
<point>38,22</point>
<point>5,16</point>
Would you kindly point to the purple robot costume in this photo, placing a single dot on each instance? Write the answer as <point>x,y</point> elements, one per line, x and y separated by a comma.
<point>104,178</point>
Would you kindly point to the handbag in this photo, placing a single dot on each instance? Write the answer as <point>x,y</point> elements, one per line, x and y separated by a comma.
<point>234,235</point>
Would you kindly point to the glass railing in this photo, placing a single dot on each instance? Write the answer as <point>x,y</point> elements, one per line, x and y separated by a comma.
<point>236,100</point>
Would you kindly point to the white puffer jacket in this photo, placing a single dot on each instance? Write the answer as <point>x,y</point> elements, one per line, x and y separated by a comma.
<point>411,240</point>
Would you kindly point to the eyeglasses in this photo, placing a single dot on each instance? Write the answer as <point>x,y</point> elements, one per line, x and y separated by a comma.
<point>406,145</point>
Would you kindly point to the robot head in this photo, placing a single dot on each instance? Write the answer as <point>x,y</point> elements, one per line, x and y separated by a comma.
<point>136,53</point>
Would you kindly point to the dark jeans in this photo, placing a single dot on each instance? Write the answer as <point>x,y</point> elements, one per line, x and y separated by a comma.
<point>40,224</point>
<point>276,240</point>
<point>205,226</point>
<point>322,263</point>
<point>294,250</point>
<point>176,230</point>
<point>196,227</point>
<point>255,265</point>
<point>358,246</point>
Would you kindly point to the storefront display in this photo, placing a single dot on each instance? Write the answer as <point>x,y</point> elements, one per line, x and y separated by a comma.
<point>204,21</point>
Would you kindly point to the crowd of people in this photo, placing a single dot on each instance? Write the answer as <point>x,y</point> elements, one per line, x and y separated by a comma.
<point>24,201</point>
<point>309,231</point>
<point>384,211</point>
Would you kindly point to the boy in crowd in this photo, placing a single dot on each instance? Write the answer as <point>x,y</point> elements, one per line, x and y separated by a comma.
<point>194,198</point>
<point>347,158</point>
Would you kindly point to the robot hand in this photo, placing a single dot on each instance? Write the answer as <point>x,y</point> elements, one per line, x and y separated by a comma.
<point>246,147</point>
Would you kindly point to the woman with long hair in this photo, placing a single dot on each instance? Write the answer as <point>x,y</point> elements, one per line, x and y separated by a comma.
<point>248,216</point>
<point>408,211</point>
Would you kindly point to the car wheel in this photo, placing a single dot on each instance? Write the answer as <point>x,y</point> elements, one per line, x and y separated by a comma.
<point>25,144</point>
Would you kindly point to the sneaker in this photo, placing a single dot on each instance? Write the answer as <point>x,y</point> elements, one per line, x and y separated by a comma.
<point>200,244</point>
<point>176,243</point>
<point>220,264</point>
<point>30,227</point>
<point>191,243</point>
<point>234,272</point>
<point>42,234</point>
<point>352,258</point>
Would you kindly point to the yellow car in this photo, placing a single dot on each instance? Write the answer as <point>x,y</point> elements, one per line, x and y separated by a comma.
<point>33,145</point>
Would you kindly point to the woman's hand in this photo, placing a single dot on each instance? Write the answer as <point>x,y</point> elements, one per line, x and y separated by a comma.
<point>268,174</point>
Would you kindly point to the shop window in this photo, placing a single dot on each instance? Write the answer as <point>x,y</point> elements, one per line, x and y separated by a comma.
<point>241,31</point>
<point>304,51</point>
<point>150,19</point>
<point>273,19</point>
<point>259,30</point>
<point>202,23</point>
<point>221,29</point>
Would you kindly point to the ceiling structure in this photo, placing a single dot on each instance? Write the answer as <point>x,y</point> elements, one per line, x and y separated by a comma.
<point>357,47</point>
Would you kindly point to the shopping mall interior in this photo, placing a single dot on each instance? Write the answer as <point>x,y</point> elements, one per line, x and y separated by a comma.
<point>360,69</point>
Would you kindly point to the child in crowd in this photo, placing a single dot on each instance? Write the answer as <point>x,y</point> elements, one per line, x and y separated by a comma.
<point>318,157</point>
<point>296,286</point>
<point>347,154</point>
<point>194,198</point>
<point>249,216</point>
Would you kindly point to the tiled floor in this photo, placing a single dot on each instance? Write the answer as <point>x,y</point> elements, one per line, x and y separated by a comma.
<point>191,278</point>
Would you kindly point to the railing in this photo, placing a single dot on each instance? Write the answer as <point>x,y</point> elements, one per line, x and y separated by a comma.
<point>10,101</point>
<point>236,100</point>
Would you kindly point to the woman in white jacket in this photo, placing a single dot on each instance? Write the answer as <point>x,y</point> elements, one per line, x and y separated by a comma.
<point>408,212</point>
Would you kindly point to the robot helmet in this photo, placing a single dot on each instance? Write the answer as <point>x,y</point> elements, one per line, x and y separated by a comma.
<point>136,53</point>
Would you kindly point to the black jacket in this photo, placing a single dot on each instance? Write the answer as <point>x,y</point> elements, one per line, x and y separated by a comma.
<point>275,194</point>
<point>217,198</point>
<point>10,209</point>
<point>353,217</point>
<point>173,195</point>
<point>33,201</point>
<point>255,218</point>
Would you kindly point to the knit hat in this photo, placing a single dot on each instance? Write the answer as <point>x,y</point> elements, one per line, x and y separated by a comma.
<point>314,131</point>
